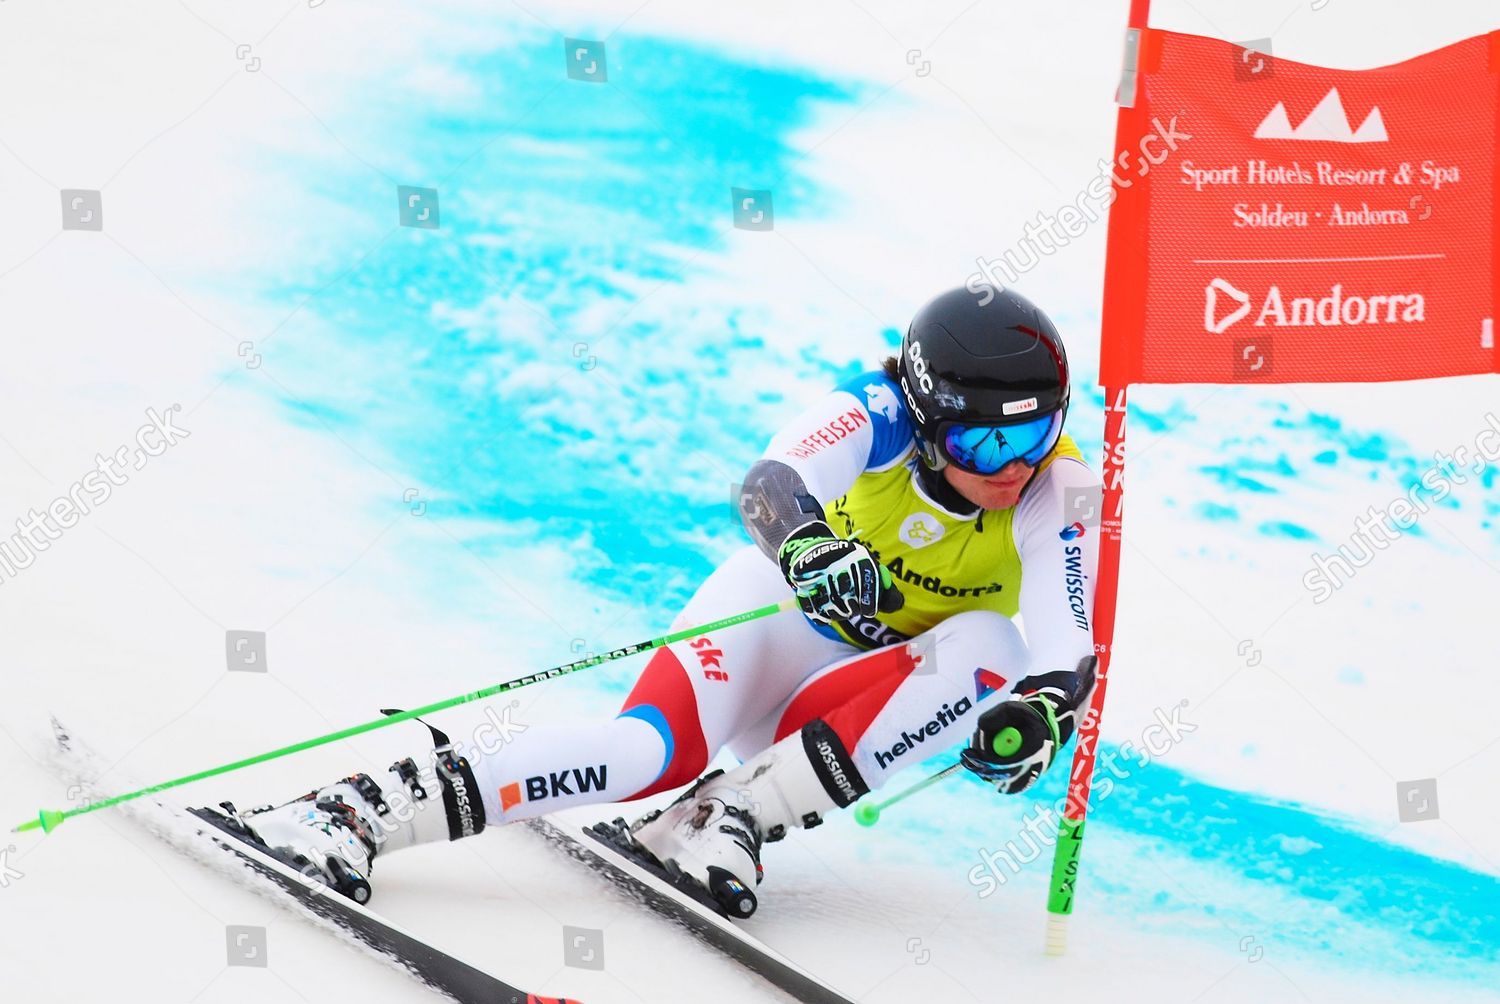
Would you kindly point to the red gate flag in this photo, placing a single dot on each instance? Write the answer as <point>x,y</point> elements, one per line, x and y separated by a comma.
<point>1281,223</point>
<point>1302,224</point>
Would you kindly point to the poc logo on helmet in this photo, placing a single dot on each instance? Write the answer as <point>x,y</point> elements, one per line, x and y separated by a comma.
<point>912,405</point>
<point>919,366</point>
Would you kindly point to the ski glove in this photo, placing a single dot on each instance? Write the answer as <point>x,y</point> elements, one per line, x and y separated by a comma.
<point>835,579</point>
<point>1017,739</point>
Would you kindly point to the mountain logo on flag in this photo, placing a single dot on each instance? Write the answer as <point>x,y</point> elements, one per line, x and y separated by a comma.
<point>1212,322</point>
<point>1328,123</point>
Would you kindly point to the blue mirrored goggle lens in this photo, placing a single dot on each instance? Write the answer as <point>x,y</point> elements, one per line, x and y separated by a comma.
<point>985,449</point>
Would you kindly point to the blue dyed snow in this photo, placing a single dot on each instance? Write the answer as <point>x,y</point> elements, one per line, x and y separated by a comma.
<point>1330,422</point>
<point>1370,448</point>
<point>1374,457</point>
<point>1284,529</point>
<point>1176,414</point>
<point>581,208</point>
<point>1215,512</point>
<point>1311,884</point>
<point>1234,480</point>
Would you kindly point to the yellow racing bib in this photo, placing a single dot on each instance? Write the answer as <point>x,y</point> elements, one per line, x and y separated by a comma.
<point>942,563</point>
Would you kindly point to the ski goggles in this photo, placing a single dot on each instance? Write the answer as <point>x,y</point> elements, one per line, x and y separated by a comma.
<point>985,449</point>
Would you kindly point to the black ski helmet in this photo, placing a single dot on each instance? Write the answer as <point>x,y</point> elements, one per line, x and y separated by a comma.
<point>992,360</point>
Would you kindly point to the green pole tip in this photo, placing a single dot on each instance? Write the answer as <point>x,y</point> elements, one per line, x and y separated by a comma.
<point>49,820</point>
<point>1008,741</point>
<point>866,813</point>
<point>28,826</point>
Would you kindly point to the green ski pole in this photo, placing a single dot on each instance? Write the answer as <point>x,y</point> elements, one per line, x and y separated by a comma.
<point>868,813</point>
<point>48,820</point>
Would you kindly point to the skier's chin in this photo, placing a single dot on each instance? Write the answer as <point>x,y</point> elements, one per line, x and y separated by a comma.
<point>999,498</point>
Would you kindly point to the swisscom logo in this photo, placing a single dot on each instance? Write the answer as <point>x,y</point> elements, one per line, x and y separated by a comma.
<point>1073,532</point>
<point>1224,306</point>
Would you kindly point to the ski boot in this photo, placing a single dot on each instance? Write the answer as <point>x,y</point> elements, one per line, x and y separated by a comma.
<point>333,835</point>
<point>709,841</point>
<point>326,834</point>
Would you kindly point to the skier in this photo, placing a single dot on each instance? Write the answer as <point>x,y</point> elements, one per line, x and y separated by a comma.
<point>913,512</point>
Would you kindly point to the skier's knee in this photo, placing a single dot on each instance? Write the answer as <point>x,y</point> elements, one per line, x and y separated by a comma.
<point>979,638</point>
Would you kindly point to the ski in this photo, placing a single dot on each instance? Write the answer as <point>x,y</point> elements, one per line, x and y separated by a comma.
<point>214,839</point>
<point>601,849</point>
